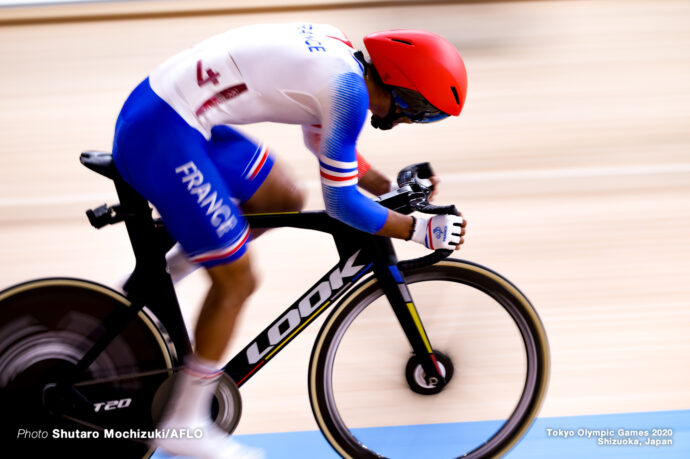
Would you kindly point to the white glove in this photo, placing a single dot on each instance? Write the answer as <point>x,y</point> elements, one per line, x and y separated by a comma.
<point>438,232</point>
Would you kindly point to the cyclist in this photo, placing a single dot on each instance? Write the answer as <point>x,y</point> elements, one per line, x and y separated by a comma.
<point>174,144</point>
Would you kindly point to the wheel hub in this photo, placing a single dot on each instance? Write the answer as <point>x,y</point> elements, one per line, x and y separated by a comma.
<point>417,379</point>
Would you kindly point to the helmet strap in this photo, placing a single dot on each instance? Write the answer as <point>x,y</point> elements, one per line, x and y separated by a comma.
<point>387,121</point>
<point>362,60</point>
<point>378,122</point>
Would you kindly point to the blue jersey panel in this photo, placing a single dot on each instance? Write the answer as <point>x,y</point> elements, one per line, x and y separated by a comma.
<point>343,199</point>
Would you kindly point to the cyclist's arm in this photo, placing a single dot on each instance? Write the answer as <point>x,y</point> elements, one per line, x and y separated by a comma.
<point>370,179</point>
<point>342,122</point>
<point>374,181</point>
<point>345,113</point>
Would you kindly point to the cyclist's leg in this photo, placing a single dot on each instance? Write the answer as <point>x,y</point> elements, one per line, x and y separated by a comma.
<point>279,193</point>
<point>231,285</point>
<point>232,282</point>
<point>166,160</point>
<point>259,183</point>
<point>190,403</point>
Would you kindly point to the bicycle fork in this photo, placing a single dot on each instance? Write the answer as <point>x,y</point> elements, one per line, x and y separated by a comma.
<point>403,306</point>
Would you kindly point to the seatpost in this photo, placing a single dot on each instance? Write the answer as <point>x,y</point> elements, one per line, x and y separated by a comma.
<point>150,284</point>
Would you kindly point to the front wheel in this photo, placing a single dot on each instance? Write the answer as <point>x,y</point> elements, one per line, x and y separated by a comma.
<point>371,399</point>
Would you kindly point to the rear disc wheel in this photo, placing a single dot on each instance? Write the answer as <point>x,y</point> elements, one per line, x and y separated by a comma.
<point>46,326</point>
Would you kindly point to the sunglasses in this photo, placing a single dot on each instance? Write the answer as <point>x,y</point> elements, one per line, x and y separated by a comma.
<point>418,110</point>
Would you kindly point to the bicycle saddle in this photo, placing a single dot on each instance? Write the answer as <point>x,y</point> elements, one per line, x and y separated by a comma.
<point>101,162</point>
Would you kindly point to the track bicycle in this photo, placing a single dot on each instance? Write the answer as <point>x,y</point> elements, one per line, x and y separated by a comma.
<point>431,357</point>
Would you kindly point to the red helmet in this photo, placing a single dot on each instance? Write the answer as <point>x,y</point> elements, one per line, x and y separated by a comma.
<point>421,61</point>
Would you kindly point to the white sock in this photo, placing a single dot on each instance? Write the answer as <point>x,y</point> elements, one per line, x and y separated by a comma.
<point>195,384</point>
<point>190,408</point>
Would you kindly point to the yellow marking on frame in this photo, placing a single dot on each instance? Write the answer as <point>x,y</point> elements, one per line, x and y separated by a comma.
<point>418,323</point>
<point>287,340</point>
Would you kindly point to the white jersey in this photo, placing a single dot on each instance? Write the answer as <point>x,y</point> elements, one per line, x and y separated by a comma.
<point>297,73</point>
<point>282,73</point>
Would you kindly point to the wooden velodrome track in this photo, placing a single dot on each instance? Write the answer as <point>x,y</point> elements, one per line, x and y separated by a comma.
<point>571,162</point>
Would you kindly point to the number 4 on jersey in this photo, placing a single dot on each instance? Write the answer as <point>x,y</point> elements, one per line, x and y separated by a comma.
<point>211,76</point>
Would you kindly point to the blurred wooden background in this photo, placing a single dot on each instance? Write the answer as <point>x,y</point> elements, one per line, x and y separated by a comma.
<point>571,162</point>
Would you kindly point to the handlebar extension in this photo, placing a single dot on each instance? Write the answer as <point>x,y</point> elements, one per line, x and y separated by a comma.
<point>416,177</point>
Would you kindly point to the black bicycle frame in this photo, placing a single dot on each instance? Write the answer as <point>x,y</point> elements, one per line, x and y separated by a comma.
<point>360,254</point>
<point>150,284</point>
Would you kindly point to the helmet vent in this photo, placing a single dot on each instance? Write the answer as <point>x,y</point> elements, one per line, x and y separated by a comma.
<point>455,94</point>
<point>405,42</point>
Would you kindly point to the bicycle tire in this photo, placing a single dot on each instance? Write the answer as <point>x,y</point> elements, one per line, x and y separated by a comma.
<point>328,408</point>
<point>45,328</point>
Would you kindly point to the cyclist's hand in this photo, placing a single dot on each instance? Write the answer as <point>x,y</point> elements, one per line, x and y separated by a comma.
<point>440,232</point>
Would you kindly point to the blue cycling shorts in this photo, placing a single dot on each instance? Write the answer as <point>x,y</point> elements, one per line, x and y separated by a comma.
<point>196,184</point>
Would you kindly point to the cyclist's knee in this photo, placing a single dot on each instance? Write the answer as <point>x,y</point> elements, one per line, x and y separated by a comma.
<point>236,279</point>
<point>279,193</point>
<point>293,199</point>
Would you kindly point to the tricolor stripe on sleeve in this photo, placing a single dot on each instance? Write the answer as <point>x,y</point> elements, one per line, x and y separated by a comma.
<point>338,173</point>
